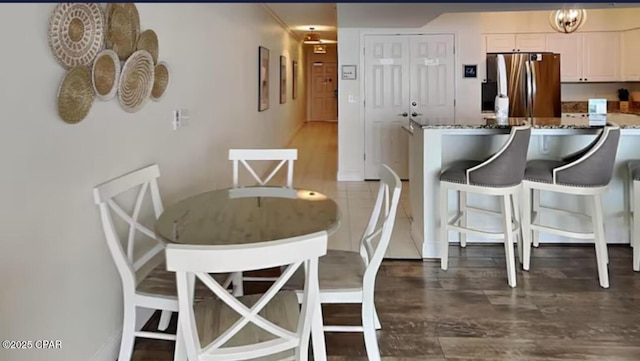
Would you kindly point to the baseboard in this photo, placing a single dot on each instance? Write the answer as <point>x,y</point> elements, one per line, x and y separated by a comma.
<point>349,177</point>
<point>110,349</point>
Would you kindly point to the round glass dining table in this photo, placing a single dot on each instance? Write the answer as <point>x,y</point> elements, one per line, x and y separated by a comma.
<point>247,215</point>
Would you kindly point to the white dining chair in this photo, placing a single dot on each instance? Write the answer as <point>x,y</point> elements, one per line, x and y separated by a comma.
<point>350,277</point>
<point>243,156</point>
<point>157,289</point>
<point>268,326</point>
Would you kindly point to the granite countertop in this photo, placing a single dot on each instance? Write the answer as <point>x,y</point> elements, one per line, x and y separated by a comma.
<point>567,121</point>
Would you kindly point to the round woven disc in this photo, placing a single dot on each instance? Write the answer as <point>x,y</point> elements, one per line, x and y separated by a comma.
<point>75,95</point>
<point>136,81</point>
<point>148,41</point>
<point>76,33</point>
<point>161,81</point>
<point>105,74</point>
<point>123,27</point>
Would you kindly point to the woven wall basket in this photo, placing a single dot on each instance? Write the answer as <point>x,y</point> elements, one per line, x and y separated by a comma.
<point>136,81</point>
<point>162,77</point>
<point>123,28</point>
<point>105,74</point>
<point>76,33</point>
<point>148,41</point>
<point>75,95</point>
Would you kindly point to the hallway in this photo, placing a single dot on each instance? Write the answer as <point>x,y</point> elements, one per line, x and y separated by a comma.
<point>316,168</point>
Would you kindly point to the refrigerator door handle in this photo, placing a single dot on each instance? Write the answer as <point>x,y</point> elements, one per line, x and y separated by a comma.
<point>534,88</point>
<point>529,96</point>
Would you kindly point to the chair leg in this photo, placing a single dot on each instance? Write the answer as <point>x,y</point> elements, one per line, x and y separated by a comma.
<point>462,207</point>
<point>128,333</point>
<point>369,329</point>
<point>516,215</point>
<point>536,209</point>
<point>526,227</point>
<point>508,240</point>
<point>317,335</point>
<point>635,229</point>
<point>180,352</point>
<point>238,288</point>
<point>600,242</point>
<point>444,222</point>
<point>376,320</point>
<point>165,318</point>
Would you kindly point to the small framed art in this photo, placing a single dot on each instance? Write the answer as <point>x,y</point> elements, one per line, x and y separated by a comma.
<point>470,71</point>
<point>263,87</point>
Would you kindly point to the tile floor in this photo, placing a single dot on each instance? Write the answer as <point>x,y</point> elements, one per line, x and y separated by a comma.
<point>316,168</point>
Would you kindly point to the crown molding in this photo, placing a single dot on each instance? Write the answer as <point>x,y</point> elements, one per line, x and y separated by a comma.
<point>282,23</point>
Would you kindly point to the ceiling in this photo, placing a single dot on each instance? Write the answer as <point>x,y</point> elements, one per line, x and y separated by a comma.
<point>325,17</point>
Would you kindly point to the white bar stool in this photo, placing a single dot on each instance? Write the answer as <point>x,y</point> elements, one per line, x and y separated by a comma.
<point>587,173</point>
<point>634,226</point>
<point>499,175</point>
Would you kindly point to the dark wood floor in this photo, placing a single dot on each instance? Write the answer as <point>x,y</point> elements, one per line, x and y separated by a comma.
<point>557,312</point>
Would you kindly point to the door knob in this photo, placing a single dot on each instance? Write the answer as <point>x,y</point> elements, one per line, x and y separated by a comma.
<point>414,114</point>
<point>404,114</point>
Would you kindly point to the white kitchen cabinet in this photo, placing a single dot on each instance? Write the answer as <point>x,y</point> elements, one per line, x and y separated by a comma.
<point>630,53</point>
<point>569,46</point>
<point>482,65</point>
<point>601,56</point>
<point>587,57</point>
<point>508,43</point>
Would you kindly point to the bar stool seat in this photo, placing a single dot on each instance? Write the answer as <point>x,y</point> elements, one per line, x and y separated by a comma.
<point>634,224</point>
<point>499,175</point>
<point>587,173</point>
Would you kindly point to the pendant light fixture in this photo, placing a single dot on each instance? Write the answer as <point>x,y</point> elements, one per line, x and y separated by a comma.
<point>311,37</point>
<point>567,20</point>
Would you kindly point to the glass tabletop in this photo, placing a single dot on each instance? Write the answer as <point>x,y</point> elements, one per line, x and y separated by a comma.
<point>247,215</point>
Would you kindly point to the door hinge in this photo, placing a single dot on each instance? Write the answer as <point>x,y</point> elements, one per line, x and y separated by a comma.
<point>454,102</point>
<point>364,103</point>
<point>363,51</point>
<point>365,156</point>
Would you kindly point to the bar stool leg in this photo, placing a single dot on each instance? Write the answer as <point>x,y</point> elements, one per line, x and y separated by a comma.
<point>444,222</point>
<point>526,227</point>
<point>635,228</point>
<point>536,210</point>
<point>462,207</point>
<point>516,215</point>
<point>600,242</point>
<point>508,240</point>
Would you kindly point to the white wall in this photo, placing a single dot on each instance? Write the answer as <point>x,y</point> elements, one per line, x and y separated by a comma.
<point>468,29</point>
<point>58,280</point>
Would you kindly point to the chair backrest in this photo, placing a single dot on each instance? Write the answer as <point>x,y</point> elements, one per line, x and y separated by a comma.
<point>593,167</point>
<point>144,179</point>
<point>195,261</point>
<point>505,167</point>
<point>285,156</point>
<point>377,235</point>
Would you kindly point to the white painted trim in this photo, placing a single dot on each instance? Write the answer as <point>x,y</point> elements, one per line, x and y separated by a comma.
<point>110,349</point>
<point>350,176</point>
<point>280,22</point>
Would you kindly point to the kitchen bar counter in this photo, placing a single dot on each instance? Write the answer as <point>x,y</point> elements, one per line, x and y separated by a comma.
<point>435,143</point>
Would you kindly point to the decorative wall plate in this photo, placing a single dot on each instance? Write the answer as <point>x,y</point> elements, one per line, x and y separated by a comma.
<point>162,78</point>
<point>148,41</point>
<point>123,28</point>
<point>76,33</point>
<point>136,81</point>
<point>75,95</point>
<point>105,74</point>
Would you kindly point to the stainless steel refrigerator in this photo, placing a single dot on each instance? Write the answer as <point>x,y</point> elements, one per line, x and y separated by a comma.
<point>533,84</point>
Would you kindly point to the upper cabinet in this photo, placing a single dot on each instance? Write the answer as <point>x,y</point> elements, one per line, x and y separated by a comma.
<point>630,53</point>
<point>509,43</point>
<point>569,46</point>
<point>601,56</point>
<point>482,66</point>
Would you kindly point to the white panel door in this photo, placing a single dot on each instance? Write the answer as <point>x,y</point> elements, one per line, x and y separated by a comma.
<point>405,76</point>
<point>386,104</point>
<point>601,56</point>
<point>432,77</point>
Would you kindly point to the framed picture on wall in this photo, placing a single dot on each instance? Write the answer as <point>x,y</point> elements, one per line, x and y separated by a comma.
<point>263,87</point>
<point>283,79</point>
<point>294,79</point>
